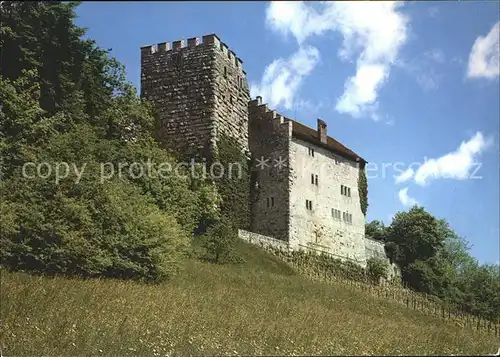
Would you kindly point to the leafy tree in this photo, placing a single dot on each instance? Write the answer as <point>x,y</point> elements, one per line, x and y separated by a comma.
<point>219,241</point>
<point>41,36</point>
<point>376,230</point>
<point>417,234</point>
<point>65,100</point>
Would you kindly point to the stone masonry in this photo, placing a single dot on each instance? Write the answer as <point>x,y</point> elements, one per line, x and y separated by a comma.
<point>269,139</point>
<point>200,91</point>
<point>304,184</point>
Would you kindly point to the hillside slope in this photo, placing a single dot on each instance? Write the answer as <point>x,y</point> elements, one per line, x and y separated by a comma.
<point>258,307</point>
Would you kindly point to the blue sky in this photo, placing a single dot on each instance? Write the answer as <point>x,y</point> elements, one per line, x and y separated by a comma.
<point>412,87</point>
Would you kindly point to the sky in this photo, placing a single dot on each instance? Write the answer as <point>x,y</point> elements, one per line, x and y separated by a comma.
<point>412,87</point>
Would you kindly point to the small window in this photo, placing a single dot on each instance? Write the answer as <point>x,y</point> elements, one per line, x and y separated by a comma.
<point>312,179</point>
<point>336,214</point>
<point>348,192</point>
<point>267,199</point>
<point>347,217</point>
<point>316,180</point>
<point>311,152</point>
<point>225,71</point>
<point>309,204</point>
<point>272,201</point>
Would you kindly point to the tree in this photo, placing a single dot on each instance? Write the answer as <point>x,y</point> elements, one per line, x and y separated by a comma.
<point>64,100</point>
<point>376,230</point>
<point>417,234</point>
<point>219,241</point>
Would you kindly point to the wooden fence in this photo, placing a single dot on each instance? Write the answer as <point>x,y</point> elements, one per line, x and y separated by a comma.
<point>396,292</point>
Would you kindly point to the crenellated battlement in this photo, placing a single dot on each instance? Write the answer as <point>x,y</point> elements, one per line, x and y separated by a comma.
<point>207,40</point>
<point>262,111</point>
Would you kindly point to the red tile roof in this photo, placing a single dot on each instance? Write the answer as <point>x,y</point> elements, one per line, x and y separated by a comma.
<point>308,134</point>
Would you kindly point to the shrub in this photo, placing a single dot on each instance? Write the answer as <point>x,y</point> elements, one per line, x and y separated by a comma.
<point>219,242</point>
<point>376,269</point>
<point>89,229</point>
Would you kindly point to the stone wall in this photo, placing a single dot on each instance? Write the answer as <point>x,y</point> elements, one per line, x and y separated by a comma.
<point>262,240</point>
<point>269,138</point>
<point>375,249</point>
<point>317,229</point>
<point>200,90</point>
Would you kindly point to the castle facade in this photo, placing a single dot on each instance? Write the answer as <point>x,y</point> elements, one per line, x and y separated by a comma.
<point>304,182</point>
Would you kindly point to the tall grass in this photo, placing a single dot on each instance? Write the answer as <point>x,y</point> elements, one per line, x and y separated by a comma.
<point>260,307</point>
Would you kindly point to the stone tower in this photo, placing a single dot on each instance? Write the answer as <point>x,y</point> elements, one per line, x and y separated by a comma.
<point>200,91</point>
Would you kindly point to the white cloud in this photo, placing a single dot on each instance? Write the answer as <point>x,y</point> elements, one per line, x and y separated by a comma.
<point>373,33</point>
<point>297,18</point>
<point>405,175</point>
<point>405,199</point>
<point>458,164</point>
<point>484,55</point>
<point>283,77</point>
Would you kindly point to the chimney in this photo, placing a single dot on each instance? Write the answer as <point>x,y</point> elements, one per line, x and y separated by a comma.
<point>322,131</point>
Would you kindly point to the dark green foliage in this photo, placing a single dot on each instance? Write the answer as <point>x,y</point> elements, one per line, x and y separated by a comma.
<point>219,242</point>
<point>376,269</point>
<point>42,36</point>
<point>363,190</point>
<point>375,230</point>
<point>234,185</point>
<point>64,101</point>
<point>417,234</point>
<point>434,260</point>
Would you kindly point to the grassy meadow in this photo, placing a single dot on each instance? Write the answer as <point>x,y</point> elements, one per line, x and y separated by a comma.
<point>259,307</point>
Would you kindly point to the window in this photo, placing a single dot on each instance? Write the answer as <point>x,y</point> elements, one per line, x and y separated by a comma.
<point>347,217</point>
<point>336,214</point>
<point>345,191</point>
<point>309,205</point>
<point>225,71</point>
<point>314,179</point>
<point>270,201</point>
<point>311,152</point>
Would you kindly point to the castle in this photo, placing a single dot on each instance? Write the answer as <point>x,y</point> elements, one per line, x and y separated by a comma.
<point>306,183</point>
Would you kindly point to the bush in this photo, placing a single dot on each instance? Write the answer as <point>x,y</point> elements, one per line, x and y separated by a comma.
<point>376,269</point>
<point>219,242</point>
<point>105,229</point>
